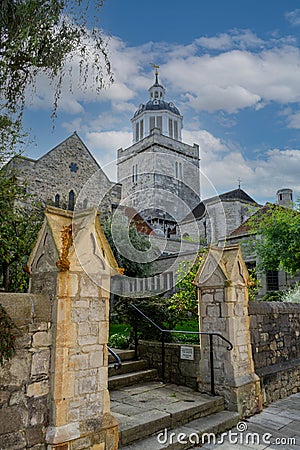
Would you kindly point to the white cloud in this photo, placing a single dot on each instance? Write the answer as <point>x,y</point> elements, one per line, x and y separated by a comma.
<point>223,163</point>
<point>246,72</point>
<point>237,79</point>
<point>238,70</point>
<point>235,39</point>
<point>205,140</point>
<point>294,120</point>
<point>104,146</point>
<point>293,17</point>
<point>231,98</point>
<point>108,141</point>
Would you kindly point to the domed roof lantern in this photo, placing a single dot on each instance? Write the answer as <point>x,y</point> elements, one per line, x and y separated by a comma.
<point>157,114</point>
<point>156,91</point>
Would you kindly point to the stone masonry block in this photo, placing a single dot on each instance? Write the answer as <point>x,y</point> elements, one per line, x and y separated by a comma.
<point>42,339</point>
<point>227,309</point>
<point>67,284</point>
<point>88,340</point>
<point>88,288</point>
<point>79,361</point>
<point>19,370</point>
<point>34,435</point>
<point>102,378</point>
<point>13,441</point>
<point>219,295</point>
<point>96,359</point>
<point>213,310</point>
<point>103,332</point>
<point>64,433</point>
<point>98,446</point>
<point>12,419</point>
<point>39,326</point>
<point>98,310</point>
<point>40,362</point>
<point>86,329</point>
<point>38,389</point>
<point>87,385</point>
<point>79,314</point>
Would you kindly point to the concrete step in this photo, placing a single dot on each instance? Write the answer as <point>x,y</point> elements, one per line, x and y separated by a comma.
<point>196,432</point>
<point>148,408</point>
<point>127,367</point>
<point>125,355</point>
<point>129,379</point>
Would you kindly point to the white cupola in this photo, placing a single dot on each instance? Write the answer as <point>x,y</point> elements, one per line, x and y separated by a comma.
<point>157,113</point>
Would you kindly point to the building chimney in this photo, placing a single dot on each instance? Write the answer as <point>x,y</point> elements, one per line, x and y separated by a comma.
<point>285,197</point>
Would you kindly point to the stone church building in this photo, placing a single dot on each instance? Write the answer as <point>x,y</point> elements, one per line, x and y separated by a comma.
<point>158,182</point>
<point>62,178</point>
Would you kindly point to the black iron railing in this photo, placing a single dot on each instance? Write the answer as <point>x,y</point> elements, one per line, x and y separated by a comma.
<point>163,338</point>
<point>118,362</point>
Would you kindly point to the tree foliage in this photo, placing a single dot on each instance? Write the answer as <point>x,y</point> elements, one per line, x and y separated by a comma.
<point>185,299</point>
<point>8,331</point>
<point>20,221</point>
<point>42,36</point>
<point>278,238</point>
<point>133,240</point>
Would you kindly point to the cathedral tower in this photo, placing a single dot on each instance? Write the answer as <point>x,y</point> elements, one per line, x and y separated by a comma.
<point>159,173</point>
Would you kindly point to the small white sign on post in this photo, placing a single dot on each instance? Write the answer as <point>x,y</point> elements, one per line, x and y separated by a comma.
<point>187,352</point>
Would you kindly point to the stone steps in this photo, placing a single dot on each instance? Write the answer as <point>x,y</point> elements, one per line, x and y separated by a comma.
<point>174,415</point>
<point>146,408</point>
<point>129,379</point>
<point>127,367</point>
<point>125,355</point>
<point>185,437</point>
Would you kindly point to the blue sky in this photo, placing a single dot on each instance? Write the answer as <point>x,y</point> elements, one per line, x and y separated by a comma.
<point>231,67</point>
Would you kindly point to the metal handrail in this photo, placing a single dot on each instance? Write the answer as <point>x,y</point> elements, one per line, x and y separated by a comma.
<point>163,331</point>
<point>118,363</point>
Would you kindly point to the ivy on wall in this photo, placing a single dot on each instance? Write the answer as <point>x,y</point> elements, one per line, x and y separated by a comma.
<point>8,332</point>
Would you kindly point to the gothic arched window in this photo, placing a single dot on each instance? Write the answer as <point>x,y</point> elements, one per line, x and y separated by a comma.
<point>56,200</point>
<point>71,200</point>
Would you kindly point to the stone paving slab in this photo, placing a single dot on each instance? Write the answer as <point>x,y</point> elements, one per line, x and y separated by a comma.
<point>167,439</point>
<point>151,407</point>
<point>281,420</point>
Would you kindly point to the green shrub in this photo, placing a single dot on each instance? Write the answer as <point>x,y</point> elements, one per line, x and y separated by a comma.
<point>119,340</point>
<point>156,308</point>
<point>254,284</point>
<point>275,296</point>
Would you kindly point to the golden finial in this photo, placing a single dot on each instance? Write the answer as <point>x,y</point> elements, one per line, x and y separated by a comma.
<point>156,67</point>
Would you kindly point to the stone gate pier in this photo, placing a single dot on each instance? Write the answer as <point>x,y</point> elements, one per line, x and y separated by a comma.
<point>222,281</point>
<point>72,264</point>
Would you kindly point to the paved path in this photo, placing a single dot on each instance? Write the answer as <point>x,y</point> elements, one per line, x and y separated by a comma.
<point>277,427</point>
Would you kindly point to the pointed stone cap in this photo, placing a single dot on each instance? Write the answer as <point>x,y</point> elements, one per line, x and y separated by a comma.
<point>72,241</point>
<point>222,266</point>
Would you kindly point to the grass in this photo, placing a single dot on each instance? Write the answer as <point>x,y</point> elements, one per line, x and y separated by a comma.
<point>119,328</point>
<point>188,325</point>
<point>123,330</point>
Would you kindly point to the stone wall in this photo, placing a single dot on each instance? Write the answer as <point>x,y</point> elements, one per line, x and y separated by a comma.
<point>177,370</point>
<point>24,380</point>
<point>68,167</point>
<point>275,331</point>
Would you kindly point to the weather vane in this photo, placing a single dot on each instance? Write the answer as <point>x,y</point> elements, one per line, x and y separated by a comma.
<point>239,183</point>
<point>156,67</point>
